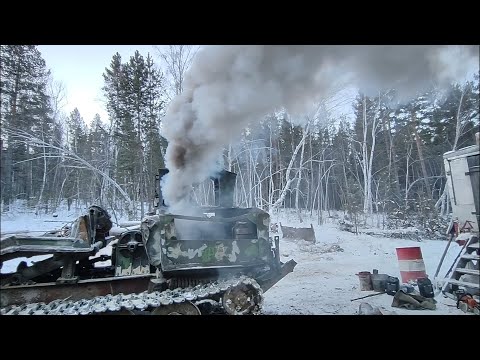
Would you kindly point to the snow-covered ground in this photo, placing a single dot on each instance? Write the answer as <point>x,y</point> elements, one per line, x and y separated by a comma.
<point>324,280</point>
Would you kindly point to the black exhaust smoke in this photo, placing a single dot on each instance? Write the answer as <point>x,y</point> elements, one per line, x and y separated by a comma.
<point>228,87</point>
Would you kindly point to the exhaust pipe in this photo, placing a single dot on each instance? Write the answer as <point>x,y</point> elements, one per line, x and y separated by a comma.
<point>224,187</point>
<point>159,200</point>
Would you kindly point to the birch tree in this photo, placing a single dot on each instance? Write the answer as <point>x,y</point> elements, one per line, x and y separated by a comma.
<point>176,60</point>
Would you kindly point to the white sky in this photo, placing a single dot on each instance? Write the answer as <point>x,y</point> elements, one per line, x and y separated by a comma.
<point>80,68</point>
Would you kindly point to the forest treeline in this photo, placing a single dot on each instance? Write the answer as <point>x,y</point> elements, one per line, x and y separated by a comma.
<point>387,160</point>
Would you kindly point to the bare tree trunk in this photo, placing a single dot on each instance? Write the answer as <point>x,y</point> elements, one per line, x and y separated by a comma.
<point>320,195</point>
<point>458,132</point>
<point>367,159</point>
<point>250,183</point>
<point>421,157</point>
<point>394,162</point>
<point>289,181</point>
<point>316,200</point>
<point>376,196</point>
<point>364,162</point>
<point>44,180</point>
<point>177,59</point>
<point>78,191</point>
<point>370,165</point>
<point>281,178</point>
<point>347,192</point>
<point>256,184</point>
<point>310,187</point>
<point>326,197</point>
<point>271,186</point>
<point>300,171</point>
<point>409,151</point>
<point>459,127</point>
<point>61,189</point>
<point>56,179</point>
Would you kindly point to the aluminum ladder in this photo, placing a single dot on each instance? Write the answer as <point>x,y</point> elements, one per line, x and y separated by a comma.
<point>466,263</point>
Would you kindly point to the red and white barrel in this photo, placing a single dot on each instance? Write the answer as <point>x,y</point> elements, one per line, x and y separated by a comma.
<point>410,262</point>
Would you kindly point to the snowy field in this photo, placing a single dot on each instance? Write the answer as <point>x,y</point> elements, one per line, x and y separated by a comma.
<point>324,280</point>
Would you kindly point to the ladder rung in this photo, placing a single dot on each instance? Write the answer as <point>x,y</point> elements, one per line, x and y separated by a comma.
<point>462,283</point>
<point>468,271</point>
<point>470,257</point>
<point>474,245</point>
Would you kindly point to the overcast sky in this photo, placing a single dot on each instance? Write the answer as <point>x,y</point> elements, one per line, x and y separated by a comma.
<point>80,68</point>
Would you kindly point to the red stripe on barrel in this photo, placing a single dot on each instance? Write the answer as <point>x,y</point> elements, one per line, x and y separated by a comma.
<point>409,253</point>
<point>411,264</point>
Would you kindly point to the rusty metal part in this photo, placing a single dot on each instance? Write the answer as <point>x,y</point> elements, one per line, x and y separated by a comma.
<point>181,282</point>
<point>210,307</point>
<point>16,245</point>
<point>83,289</point>
<point>25,272</point>
<point>285,269</point>
<point>243,298</point>
<point>185,308</point>
<point>130,244</point>
<point>130,255</point>
<point>68,272</point>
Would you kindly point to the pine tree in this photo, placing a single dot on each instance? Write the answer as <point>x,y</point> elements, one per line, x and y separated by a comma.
<point>135,102</point>
<point>155,144</point>
<point>24,107</point>
<point>77,185</point>
<point>98,151</point>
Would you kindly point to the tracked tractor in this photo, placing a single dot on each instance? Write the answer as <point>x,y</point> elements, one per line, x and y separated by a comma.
<point>220,261</point>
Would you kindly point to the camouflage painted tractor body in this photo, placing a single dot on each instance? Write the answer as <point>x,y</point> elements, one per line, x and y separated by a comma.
<point>222,259</point>
<point>220,241</point>
<point>182,246</point>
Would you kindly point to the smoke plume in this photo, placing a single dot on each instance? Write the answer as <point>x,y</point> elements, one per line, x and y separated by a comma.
<point>227,87</point>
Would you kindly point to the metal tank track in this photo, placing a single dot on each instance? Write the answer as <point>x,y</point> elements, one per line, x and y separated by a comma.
<point>141,302</point>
